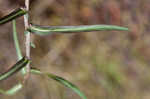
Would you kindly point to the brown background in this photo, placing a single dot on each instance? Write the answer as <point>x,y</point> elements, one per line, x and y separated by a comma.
<point>104,65</point>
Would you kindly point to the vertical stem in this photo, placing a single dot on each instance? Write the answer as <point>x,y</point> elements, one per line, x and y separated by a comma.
<point>27,42</point>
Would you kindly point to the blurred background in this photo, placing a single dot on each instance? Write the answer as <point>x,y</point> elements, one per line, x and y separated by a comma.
<point>104,65</point>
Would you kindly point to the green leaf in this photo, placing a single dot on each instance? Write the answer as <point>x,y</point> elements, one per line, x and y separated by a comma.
<point>61,81</point>
<point>67,84</point>
<point>12,90</point>
<point>16,42</point>
<point>45,30</point>
<point>18,86</point>
<point>13,15</point>
<point>15,68</point>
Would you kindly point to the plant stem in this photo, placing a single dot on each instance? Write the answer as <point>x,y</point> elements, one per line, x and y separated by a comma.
<point>27,42</point>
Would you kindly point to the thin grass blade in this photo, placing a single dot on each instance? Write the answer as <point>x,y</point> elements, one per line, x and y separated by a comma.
<point>67,84</point>
<point>16,42</point>
<point>13,15</point>
<point>61,81</point>
<point>18,86</point>
<point>12,90</point>
<point>15,68</point>
<point>45,30</point>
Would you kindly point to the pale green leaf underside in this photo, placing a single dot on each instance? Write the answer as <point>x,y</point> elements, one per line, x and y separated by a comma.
<point>45,30</point>
<point>12,90</point>
<point>16,41</point>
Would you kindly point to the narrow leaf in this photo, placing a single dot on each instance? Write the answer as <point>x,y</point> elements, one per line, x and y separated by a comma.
<point>61,81</point>
<point>12,90</point>
<point>67,84</point>
<point>18,86</point>
<point>13,15</point>
<point>15,68</point>
<point>16,42</point>
<point>45,30</point>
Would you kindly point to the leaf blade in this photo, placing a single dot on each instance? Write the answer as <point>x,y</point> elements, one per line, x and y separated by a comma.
<point>61,81</point>
<point>15,68</point>
<point>67,84</point>
<point>13,15</point>
<point>12,90</point>
<point>45,30</point>
<point>16,41</point>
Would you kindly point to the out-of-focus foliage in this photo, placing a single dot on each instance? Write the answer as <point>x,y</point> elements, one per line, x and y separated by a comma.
<point>105,65</point>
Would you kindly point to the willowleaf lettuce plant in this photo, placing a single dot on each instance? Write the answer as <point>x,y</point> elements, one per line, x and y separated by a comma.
<point>43,31</point>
